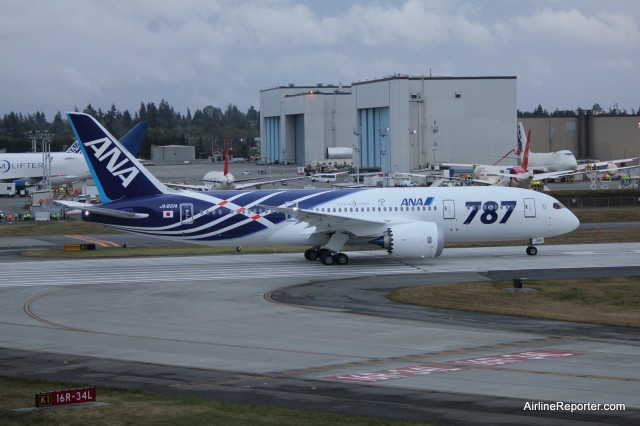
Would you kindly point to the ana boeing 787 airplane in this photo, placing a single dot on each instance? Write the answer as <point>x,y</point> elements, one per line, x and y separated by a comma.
<point>407,222</point>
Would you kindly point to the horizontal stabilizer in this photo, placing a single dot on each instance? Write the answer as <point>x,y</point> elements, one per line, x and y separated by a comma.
<point>102,211</point>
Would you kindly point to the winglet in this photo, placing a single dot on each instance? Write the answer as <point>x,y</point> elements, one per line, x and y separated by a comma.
<point>115,170</point>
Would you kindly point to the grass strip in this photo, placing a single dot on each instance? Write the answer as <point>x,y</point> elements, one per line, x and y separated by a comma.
<point>610,301</point>
<point>144,408</point>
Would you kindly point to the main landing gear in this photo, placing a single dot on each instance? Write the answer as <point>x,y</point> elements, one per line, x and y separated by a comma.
<point>327,257</point>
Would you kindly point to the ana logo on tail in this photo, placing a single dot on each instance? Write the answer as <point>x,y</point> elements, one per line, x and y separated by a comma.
<point>101,151</point>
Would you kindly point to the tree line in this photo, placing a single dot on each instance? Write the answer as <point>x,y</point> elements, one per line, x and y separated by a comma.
<point>596,108</point>
<point>206,128</point>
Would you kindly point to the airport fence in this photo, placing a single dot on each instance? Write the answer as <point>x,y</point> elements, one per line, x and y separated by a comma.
<point>604,202</point>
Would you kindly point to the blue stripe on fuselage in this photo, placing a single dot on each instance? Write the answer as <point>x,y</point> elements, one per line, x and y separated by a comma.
<point>219,219</point>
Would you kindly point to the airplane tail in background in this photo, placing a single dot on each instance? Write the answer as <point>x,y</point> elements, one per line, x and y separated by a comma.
<point>74,148</point>
<point>117,173</point>
<point>520,139</point>
<point>226,156</point>
<point>134,137</point>
<point>525,154</point>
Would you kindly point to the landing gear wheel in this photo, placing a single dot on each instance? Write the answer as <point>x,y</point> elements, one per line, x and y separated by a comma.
<point>311,254</point>
<point>324,252</point>
<point>532,250</point>
<point>327,259</point>
<point>341,259</point>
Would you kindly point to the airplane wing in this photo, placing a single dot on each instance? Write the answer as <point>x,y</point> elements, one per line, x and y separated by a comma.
<point>187,186</point>
<point>102,211</point>
<point>412,174</point>
<point>579,172</point>
<point>30,180</point>
<point>554,175</point>
<point>259,184</point>
<point>328,223</point>
<point>582,167</point>
<point>480,181</point>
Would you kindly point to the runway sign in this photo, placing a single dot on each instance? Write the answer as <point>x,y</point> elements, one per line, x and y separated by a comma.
<point>79,247</point>
<point>65,397</point>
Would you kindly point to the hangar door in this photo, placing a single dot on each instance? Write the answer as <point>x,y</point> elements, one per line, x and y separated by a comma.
<point>374,138</point>
<point>272,136</point>
<point>298,136</point>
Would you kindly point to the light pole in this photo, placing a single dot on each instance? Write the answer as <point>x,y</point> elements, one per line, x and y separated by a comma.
<point>434,129</point>
<point>384,131</point>
<point>355,154</point>
<point>411,133</point>
<point>46,159</point>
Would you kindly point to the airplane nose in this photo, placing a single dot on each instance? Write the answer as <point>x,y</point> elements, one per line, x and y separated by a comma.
<point>573,222</point>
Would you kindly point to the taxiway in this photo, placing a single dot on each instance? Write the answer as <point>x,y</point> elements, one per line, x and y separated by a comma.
<point>277,329</point>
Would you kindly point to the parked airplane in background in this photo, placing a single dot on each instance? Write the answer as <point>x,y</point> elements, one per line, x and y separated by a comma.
<point>539,166</point>
<point>558,161</point>
<point>523,174</point>
<point>26,169</point>
<point>224,179</point>
<point>563,161</point>
<point>407,222</point>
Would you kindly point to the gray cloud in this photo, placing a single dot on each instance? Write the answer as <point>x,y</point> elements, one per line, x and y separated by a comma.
<point>70,53</point>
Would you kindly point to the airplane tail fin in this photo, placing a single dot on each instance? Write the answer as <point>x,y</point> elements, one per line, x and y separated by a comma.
<point>527,139</point>
<point>521,139</point>
<point>226,156</point>
<point>117,173</point>
<point>525,154</point>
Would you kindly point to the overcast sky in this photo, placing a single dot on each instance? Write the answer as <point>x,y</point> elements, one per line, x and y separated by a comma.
<point>58,55</point>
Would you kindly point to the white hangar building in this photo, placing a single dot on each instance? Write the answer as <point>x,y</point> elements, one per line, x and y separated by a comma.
<point>394,124</point>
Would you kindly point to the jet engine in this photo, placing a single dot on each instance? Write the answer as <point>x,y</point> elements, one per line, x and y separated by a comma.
<point>414,240</point>
<point>612,169</point>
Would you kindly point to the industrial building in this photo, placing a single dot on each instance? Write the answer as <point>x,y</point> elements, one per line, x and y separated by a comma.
<point>172,154</point>
<point>590,136</point>
<point>393,124</point>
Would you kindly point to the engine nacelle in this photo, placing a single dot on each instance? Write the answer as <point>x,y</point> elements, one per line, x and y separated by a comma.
<point>414,240</point>
<point>612,169</point>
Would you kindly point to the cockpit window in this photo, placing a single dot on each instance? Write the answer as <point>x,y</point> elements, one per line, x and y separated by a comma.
<point>558,206</point>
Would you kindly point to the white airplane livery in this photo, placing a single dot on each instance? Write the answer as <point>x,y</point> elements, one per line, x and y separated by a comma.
<point>407,222</point>
<point>28,168</point>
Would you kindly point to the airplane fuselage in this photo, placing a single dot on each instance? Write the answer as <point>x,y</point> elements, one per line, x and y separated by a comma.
<point>553,161</point>
<point>65,167</point>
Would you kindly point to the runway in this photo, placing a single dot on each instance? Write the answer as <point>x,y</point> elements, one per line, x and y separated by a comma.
<point>277,329</point>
